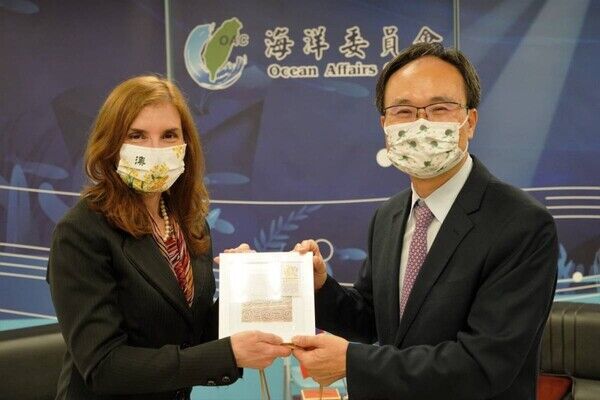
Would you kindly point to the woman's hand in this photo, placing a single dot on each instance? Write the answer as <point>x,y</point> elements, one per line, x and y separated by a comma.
<point>319,269</point>
<point>255,349</point>
<point>242,248</point>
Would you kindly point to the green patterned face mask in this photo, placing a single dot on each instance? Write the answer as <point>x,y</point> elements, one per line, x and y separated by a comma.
<point>424,149</point>
<point>150,169</point>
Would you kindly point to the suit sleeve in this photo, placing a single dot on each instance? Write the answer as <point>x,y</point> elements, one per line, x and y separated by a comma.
<point>349,312</point>
<point>83,286</point>
<point>508,313</point>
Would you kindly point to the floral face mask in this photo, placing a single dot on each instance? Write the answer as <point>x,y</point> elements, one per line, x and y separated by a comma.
<point>424,149</point>
<point>150,169</point>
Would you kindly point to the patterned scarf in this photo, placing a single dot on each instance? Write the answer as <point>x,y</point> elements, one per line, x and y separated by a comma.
<point>175,251</point>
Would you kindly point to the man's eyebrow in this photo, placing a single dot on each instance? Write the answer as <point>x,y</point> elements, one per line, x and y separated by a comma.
<point>441,98</point>
<point>400,101</point>
<point>404,101</point>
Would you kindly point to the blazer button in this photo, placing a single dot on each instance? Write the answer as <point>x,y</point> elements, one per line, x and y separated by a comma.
<point>226,380</point>
<point>211,383</point>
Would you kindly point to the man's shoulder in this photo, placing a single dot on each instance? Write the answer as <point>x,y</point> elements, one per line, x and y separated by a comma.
<point>499,196</point>
<point>503,195</point>
<point>503,202</point>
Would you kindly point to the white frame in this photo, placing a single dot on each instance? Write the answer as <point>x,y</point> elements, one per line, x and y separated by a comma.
<point>264,270</point>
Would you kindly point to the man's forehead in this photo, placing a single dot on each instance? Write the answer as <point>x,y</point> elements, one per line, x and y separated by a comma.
<point>429,78</point>
<point>427,63</point>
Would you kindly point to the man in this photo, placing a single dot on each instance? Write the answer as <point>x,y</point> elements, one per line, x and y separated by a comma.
<point>461,267</point>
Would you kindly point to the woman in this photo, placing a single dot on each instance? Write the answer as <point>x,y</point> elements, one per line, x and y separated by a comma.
<point>130,269</point>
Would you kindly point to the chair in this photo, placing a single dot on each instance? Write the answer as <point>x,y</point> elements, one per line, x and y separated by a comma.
<point>30,361</point>
<point>571,347</point>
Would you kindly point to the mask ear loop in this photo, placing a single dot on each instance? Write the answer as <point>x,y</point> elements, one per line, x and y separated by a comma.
<point>460,126</point>
<point>465,121</point>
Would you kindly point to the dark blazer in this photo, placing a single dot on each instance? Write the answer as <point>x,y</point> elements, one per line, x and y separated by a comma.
<point>473,323</point>
<point>129,331</point>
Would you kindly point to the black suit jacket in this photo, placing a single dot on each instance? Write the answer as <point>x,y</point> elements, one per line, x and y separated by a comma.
<point>128,329</point>
<point>473,323</point>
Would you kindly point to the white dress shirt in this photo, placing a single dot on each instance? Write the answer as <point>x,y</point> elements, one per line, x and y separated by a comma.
<point>439,202</point>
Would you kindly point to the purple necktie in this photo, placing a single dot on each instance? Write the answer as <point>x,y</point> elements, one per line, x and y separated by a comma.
<point>416,252</point>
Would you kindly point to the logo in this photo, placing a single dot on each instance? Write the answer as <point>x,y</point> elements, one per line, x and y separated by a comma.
<point>207,53</point>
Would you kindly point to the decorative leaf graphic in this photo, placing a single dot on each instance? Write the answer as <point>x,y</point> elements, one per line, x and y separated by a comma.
<point>566,267</point>
<point>351,254</point>
<point>213,216</point>
<point>225,178</point>
<point>276,239</point>
<point>595,269</point>
<point>218,224</point>
<point>224,227</point>
<point>44,170</point>
<point>4,193</point>
<point>19,214</point>
<point>51,204</point>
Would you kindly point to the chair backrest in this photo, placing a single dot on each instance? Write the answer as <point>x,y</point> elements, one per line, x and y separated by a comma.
<point>571,341</point>
<point>30,361</point>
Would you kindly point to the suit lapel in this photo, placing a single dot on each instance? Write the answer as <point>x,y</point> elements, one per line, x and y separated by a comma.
<point>390,280</point>
<point>453,230</point>
<point>455,227</point>
<point>202,273</point>
<point>146,257</point>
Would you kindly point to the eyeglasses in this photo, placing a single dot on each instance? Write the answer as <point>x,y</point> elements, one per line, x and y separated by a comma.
<point>434,112</point>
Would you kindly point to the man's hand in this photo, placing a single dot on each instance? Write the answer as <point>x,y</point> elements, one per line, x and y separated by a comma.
<point>255,349</point>
<point>324,356</point>
<point>242,248</point>
<point>319,269</point>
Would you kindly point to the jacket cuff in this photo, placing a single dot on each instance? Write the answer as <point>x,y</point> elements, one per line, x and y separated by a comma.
<point>211,363</point>
<point>365,371</point>
<point>355,356</point>
<point>327,292</point>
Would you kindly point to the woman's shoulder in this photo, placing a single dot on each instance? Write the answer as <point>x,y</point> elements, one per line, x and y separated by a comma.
<point>83,216</point>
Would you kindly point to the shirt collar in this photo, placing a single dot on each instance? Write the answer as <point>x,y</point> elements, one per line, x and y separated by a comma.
<point>442,199</point>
